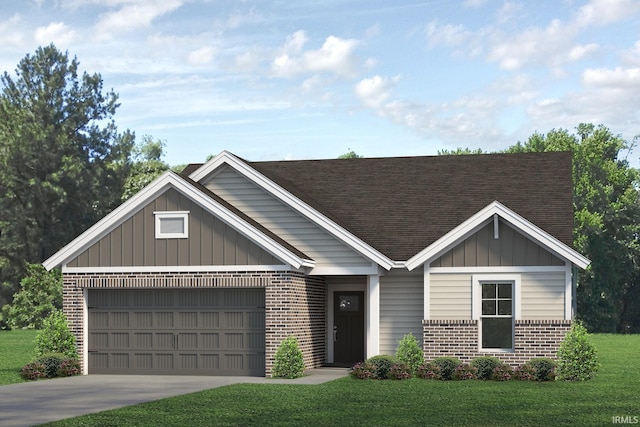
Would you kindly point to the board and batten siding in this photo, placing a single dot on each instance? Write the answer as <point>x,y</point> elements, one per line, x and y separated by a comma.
<point>511,249</point>
<point>401,308</point>
<point>543,295</point>
<point>450,296</point>
<point>210,241</point>
<point>282,220</point>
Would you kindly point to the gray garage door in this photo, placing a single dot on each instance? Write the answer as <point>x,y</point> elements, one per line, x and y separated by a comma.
<point>180,332</point>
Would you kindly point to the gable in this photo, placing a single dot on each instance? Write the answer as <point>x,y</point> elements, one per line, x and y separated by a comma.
<point>210,241</point>
<point>511,249</point>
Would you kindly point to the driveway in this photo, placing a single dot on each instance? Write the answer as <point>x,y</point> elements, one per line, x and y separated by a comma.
<point>33,403</point>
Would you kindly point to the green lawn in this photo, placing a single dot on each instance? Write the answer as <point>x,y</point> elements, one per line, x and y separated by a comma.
<point>349,402</point>
<point>16,350</point>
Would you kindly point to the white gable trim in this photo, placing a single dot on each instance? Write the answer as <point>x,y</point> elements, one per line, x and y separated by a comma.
<point>479,219</point>
<point>158,186</point>
<point>325,223</point>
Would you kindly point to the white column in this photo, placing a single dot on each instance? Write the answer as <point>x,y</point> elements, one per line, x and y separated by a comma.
<point>427,292</point>
<point>373,315</point>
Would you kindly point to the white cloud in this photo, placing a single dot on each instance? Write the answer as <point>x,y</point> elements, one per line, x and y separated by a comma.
<point>10,32</point>
<point>603,12</point>
<point>446,35</point>
<point>133,15</point>
<point>617,78</point>
<point>582,51</point>
<point>335,56</point>
<point>374,91</point>
<point>56,32</point>
<point>474,3</point>
<point>202,56</point>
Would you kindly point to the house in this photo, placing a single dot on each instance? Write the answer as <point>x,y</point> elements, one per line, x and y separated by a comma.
<point>207,271</point>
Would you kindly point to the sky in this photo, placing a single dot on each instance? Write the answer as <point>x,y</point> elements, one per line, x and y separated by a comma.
<point>312,79</point>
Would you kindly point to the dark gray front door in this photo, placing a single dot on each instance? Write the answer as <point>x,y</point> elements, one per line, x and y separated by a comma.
<point>177,331</point>
<point>348,328</point>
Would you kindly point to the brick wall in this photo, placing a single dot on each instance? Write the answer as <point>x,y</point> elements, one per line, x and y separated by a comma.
<point>295,304</point>
<point>459,338</point>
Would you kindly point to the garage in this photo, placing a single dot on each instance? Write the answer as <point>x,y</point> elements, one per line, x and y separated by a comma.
<point>210,331</point>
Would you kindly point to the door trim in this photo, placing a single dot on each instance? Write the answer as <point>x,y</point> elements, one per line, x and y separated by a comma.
<point>343,287</point>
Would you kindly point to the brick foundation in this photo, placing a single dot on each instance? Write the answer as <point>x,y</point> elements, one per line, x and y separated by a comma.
<point>459,338</point>
<point>295,304</point>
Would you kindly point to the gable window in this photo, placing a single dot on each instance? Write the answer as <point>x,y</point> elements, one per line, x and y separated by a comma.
<point>496,306</point>
<point>497,316</point>
<point>172,225</point>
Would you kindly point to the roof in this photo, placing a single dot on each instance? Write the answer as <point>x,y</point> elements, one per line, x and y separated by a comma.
<point>401,205</point>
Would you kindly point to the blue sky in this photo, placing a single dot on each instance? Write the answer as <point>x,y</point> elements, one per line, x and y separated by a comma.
<point>282,79</point>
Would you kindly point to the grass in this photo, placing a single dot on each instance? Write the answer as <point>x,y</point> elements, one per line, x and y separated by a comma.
<point>16,350</point>
<point>349,402</point>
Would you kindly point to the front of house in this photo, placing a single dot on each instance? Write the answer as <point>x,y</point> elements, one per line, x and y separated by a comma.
<point>207,271</point>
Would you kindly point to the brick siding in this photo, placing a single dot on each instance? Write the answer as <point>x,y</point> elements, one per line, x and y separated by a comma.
<point>295,304</point>
<point>459,338</point>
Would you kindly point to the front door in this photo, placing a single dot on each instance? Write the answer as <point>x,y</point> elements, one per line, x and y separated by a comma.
<point>348,327</point>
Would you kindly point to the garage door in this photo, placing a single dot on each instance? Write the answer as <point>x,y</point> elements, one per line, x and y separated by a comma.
<point>180,332</point>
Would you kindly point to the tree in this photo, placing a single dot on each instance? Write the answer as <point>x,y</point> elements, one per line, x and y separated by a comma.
<point>606,228</point>
<point>460,151</point>
<point>62,161</point>
<point>350,155</point>
<point>147,165</point>
<point>40,295</point>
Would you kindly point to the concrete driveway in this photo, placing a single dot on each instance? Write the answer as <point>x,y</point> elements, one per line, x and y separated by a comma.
<point>33,403</point>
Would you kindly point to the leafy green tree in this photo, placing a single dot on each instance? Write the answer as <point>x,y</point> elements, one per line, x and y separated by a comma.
<point>350,155</point>
<point>460,151</point>
<point>40,294</point>
<point>606,205</point>
<point>147,165</point>
<point>62,161</point>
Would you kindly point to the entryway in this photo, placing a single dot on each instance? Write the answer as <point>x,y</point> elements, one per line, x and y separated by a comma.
<point>348,327</point>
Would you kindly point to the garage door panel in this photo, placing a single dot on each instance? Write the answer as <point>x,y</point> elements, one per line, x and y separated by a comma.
<point>176,332</point>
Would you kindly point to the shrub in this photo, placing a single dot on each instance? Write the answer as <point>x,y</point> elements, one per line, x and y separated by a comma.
<point>289,361</point>
<point>55,337</point>
<point>447,365</point>
<point>502,372</point>
<point>51,363</point>
<point>543,368</point>
<point>364,371</point>
<point>69,368</point>
<point>33,371</point>
<point>409,352</point>
<point>429,371</point>
<point>383,364</point>
<point>399,371</point>
<point>525,373</point>
<point>464,371</point>
<point>577,358</point>
<point>485,366</point>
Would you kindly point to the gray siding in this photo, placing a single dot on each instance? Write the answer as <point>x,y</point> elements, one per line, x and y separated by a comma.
<point>543,295</point>
<point>401,308</point>
<point>450,296</point>
<point>511,249</point>
<point>303,234</point>
<point>210,242</point>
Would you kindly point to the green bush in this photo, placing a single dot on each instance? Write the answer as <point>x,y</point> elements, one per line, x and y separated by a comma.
<point>51,363</point>
<point>289,361</point>
<point>383,364</point>
<point>447,365</point>
<point>409,352</point>
<point>465,371</point>
<point>429,371</point>
<point>485,366</point>
<point>55,337</point>
<point>577,357</point>
<point>543,368</point>
<point>400,371</point>
<point>502,373</point>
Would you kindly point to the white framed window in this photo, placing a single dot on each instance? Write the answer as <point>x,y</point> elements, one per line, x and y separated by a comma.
<point>496,306</point>
<point>172,224</point>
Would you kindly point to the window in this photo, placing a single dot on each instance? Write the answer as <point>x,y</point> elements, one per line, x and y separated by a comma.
<point>172,225</point>
<point>497,315</point>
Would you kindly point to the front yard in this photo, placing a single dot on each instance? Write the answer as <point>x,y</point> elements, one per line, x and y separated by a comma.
<point>17,348</point>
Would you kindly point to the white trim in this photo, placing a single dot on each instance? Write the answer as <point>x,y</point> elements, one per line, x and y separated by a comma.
<point>285,196</point>
<point>85,331</point>
<point>160,215</point>
<point>498,269</point>
<point>568,292</point>
<point>479,219</point>
<point>176,269</point>
<point>166,181</point>
<point>476,304</point>
<point>427,292</point>
<point>343,271</point>
<point>372,310</point>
